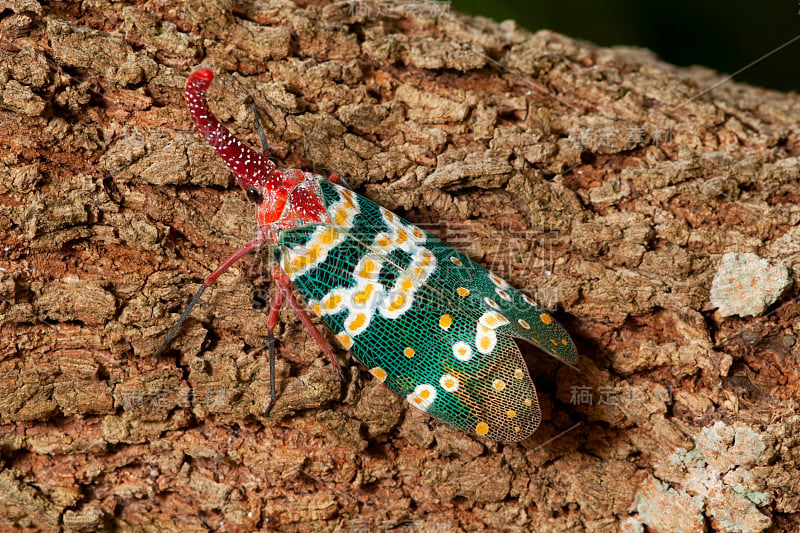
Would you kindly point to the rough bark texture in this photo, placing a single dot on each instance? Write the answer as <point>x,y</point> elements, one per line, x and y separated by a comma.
<point>603,181</point>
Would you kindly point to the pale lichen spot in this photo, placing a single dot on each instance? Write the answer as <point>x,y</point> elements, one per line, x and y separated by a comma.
<point>518,373</point>
<point>456,261</point>
<point>498,385</point>
<point>524,323</point>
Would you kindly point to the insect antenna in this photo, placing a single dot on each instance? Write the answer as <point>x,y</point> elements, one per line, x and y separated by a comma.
<point>257,120</point>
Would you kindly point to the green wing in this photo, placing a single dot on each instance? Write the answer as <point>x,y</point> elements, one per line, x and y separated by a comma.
<point>486,292</point>
<point>423,318</point>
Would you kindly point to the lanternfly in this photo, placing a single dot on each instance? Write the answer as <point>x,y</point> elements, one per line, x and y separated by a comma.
<point>423,318</point>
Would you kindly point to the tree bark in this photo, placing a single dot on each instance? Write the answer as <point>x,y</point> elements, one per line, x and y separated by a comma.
<point>604,182</point>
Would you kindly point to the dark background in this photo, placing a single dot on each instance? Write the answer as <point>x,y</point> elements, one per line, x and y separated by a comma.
<point>723,35</point>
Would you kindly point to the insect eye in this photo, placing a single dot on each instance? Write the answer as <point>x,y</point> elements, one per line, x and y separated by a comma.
<point>253,195</point>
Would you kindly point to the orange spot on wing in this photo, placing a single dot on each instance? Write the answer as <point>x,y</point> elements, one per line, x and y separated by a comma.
<point>358,321</point>
<point>379,373</point>
<point>397,303</point>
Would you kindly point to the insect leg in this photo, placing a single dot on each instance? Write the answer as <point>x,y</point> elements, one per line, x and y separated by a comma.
<point>272,393</point>
<point>272,320</point>
<point>252,245</point>
<point>284,284</point>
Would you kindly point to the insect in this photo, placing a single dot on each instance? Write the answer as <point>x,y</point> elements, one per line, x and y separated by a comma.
<point>431,324</point>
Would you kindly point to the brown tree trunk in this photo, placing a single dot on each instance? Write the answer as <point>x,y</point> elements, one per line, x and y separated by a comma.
<point>608,184</point>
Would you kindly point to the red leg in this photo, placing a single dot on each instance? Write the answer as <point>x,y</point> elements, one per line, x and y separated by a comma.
<point>244,250</point>
<point>284,286</point>
<point>284,292</point>
<point>274,309</point>
<point>252,245</point>
<point>272,319</point>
